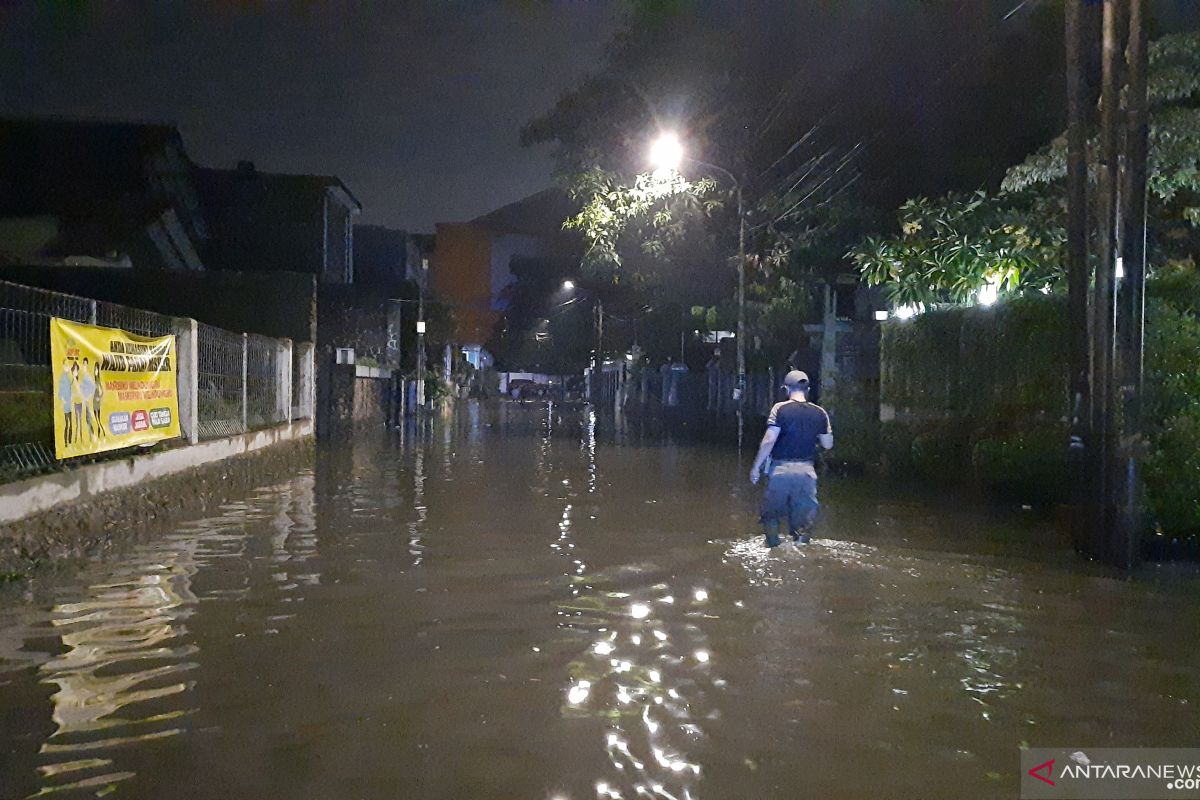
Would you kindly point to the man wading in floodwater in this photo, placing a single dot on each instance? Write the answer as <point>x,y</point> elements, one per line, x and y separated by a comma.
<point>795,429</point>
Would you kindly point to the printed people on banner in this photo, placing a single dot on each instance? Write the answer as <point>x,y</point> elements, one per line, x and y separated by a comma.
<point>65,393</point>
<point>97,401</point>
<point>88,389</point>
<point>77,401</point>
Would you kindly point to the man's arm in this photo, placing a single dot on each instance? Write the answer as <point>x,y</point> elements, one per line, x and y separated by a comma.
<point>826,439</point>
<point>764,450</point>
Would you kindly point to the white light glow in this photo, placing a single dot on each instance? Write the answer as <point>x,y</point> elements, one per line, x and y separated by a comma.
<point>639,611</point>
<point>701,595</point>
<point>1120,268</point>
<point>579,693</point>
<point>989,294</point>
<point>906,312</point>
<point>702,656</point>
<point>666,153</point>
<point>568,285</point>
<point>603,648</point>
<point>881,315</point>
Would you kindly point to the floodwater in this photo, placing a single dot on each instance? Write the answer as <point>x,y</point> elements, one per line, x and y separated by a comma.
<point>513,604</point>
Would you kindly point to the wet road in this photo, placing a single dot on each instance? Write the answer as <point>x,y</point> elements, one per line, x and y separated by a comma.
<point>512,605</point>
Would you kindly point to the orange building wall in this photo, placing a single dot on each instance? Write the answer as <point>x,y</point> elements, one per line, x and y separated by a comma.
<point>462,278</point>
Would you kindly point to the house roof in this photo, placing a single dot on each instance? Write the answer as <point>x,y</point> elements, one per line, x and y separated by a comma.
<point>220,186</point>
<point>539,214</point>
<point>79,169</point>
<point>94,177</point>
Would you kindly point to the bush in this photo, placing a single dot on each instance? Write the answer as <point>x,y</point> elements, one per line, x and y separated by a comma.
<point>1172,474</point>
<point>1028,465</point>
<point>939,452</point>
<point>1172,412</point>
<point>856,427</point>
<point>895,445</point>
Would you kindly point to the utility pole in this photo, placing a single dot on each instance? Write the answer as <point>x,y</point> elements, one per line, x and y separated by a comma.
<point>1104,288</point>
<point>1077,224</point>
<point>1132,299</point>
<point>1107,338</point>
<point>421,347</point>
<point>740,390</point>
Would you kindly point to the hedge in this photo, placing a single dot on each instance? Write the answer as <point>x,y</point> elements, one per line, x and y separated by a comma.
<point>981,394</point>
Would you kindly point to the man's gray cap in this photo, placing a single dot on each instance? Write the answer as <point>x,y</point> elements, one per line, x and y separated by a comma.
<point>793,378</point>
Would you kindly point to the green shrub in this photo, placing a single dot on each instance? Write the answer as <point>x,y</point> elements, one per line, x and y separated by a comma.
<point>1172,407</point>
<point>1172,474</point>
<point>895,445</point>
<point>1172,361</point>
<point>855,431</point>
<point>1029,465</point>
<point>939,452</point>
<point>919,365</point>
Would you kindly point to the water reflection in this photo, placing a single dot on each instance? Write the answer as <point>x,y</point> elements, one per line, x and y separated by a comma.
<point>646,673</point>
<point>124,671</point>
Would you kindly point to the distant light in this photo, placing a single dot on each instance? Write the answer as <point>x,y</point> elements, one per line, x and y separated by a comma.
<point>989,294</point>
<point>1120,267</point>
<point>629,356</point>
<point>666,153</point>
<point>1046,289</point>
<point>420,326</point>
<point>568,285</point>
<point>906,312</point>
<point>702,656</point>
<point>639,610</point>
<point>881,315</point>
<point>701,595</point>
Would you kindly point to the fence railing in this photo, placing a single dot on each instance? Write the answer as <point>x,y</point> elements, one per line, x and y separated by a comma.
<point>229,383</point>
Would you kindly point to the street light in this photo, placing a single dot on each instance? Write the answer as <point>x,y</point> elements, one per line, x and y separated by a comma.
<point>568,285</point>
<point>666,154</point>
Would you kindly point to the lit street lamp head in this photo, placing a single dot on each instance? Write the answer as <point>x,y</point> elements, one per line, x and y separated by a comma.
<point>568,285</point>
<point>666,153</point>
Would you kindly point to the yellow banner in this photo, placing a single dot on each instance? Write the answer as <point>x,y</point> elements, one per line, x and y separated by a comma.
<point>112,389</point>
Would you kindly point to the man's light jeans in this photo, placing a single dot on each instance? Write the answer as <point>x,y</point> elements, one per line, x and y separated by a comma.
<point>791,495</point>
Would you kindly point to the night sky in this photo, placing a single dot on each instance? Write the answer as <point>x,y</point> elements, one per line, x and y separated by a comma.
<point>417,106</point>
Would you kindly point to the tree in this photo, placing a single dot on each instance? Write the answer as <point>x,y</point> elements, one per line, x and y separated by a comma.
<point>954,248</point>
<point>950,248</point>
<point>746,93</point>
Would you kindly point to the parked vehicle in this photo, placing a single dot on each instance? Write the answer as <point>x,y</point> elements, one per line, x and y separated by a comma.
<point>522,388</point>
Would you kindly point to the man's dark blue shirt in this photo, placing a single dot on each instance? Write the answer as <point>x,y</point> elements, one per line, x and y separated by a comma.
<point>799,424</point>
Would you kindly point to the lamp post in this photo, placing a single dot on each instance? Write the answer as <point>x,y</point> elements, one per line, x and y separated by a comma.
<point>597,359</point>
<point>666,154</point>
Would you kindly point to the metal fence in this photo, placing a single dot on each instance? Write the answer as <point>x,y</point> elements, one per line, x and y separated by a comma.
<point>265,391</point>
<point>243,382</point>
<point>221,377</point>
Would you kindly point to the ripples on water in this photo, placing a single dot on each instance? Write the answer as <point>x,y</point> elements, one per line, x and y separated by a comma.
<point>121,675</point>
<point>509,604</point>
